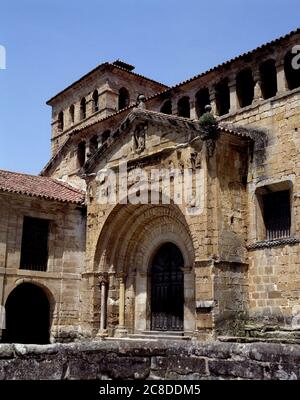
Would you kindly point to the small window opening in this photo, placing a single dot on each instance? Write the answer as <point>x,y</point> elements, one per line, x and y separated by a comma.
<point>34,250</point>
<point>95,101</point>
<point>183,107</point>
<point>222,97</point>
<point>245,87</point>
<point>166,108</point>
<point>123,98</point>
<point>202,100</point>
<point>83,109</point>
<point>81,154</point>
<point>268,77</point>
<point>61,121</point>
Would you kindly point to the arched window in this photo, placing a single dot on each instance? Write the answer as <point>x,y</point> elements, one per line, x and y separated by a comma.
<point>166,108</point>
<point>93,144</point>
<point>123,98</point>
<point>245,87</point>
<point>202,100</point>
<point>105,136</point>
<point>81,154</point>
<point>61,121</point>
<point>268,77</point>
<point>72,114</point>
<point>95,101</point>
<point>183,107</point>
<point>292,74</point>
<point>83,109</point>
<point>222,97</point>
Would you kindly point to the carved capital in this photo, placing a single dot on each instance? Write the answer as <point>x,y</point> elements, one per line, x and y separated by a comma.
<point>103,278</point>
<point>187,269</point>
<point>121,277</point>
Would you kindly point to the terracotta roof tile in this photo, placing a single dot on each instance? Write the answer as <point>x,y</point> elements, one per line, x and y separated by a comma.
<point>167,90</point>
<point>226,63</point>
<point>39,186</point>
<point>102,66</point>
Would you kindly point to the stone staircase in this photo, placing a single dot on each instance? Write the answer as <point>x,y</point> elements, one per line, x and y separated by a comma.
<point>160,335</point>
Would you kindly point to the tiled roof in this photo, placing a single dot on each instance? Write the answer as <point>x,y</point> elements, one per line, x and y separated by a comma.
<point>165,91</point>
<point>39,186</point>
<point>169,89</point>
<point>175,120</point>
<point>107,65</point>
<point>247,133</point>
<point>227,63</point>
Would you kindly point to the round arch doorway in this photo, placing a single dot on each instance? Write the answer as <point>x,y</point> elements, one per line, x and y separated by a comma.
<point>27,315</point>
<point>167,289</point>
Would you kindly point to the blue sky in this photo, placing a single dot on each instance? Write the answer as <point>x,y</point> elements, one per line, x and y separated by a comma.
<point>51,43</point>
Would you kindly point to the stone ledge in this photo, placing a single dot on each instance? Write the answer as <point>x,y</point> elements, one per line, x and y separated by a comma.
<point>150,360</point>
<point>273,243</point>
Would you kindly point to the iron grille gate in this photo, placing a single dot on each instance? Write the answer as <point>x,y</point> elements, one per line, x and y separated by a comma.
<point>277,214</point>
<point>167,298</point>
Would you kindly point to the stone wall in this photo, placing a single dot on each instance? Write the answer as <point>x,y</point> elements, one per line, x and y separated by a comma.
<point>150,360</point>
<point>107,83</point>
<point>66,247</point>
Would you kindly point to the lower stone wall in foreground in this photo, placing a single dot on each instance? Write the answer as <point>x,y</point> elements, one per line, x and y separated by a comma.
<point>150,360</point>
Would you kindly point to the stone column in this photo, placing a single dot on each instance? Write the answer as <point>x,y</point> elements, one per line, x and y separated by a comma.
<point>204,299</point>
<point>89,105</point>
<point>108,100</point>
<point>281,79</point>
<point>234,101</point>
<point>77,112</point>
<point>121,331</point>
<point>189,323</point>
<point>193,113</point>
<point>212,99</point>
<point>174,106</point>
<point>99,141</point>
<point>257,86</point>
<point>103,283</point>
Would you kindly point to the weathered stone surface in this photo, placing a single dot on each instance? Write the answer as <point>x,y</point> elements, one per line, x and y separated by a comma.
<point>152,360</point>
<point>233,274</point>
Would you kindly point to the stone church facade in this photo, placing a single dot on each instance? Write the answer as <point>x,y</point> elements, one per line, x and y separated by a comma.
<point>218,257</point>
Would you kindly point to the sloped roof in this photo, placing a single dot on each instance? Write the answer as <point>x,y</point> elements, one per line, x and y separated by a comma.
<point>180,84</point>
<point>108,66</point>
<point>227,63</point>
<point>39,186</point>
<point>164,91</point>
<point>248,133</point>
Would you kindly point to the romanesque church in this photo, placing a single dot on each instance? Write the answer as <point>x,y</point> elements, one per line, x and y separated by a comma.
<point>222,262</point>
